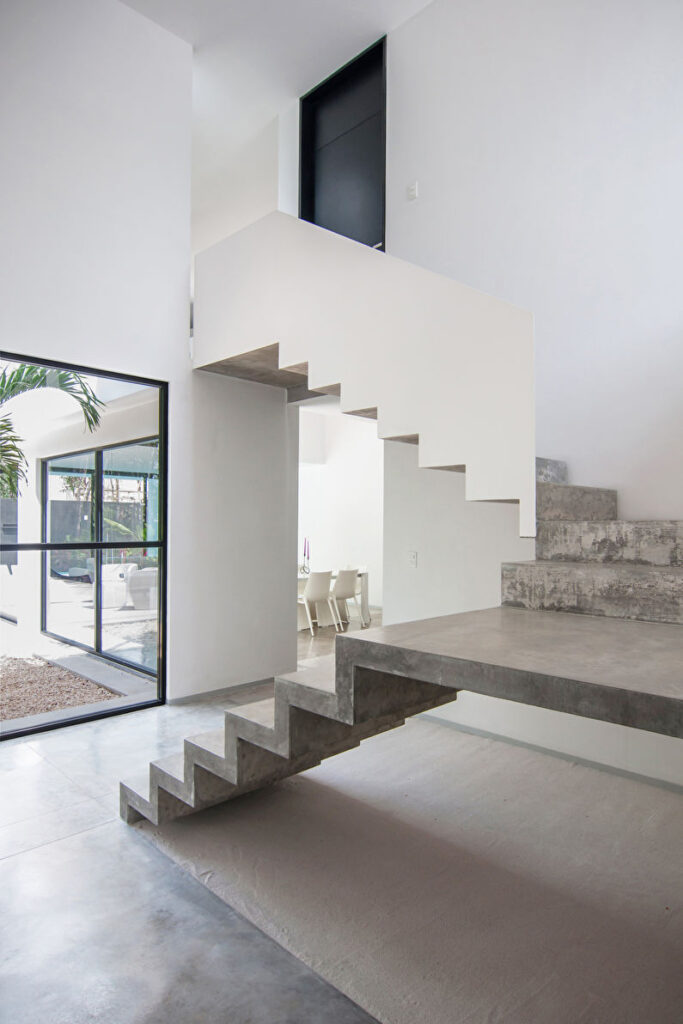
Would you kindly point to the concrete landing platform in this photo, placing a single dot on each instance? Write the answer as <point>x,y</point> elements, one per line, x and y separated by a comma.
<point>626,672</point>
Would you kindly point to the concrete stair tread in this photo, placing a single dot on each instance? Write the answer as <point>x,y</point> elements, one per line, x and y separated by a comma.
<point>173,765</point>
<point>318,676</point>
<point>260,712</point>
<point>138,783</point>
<point>213,742</point>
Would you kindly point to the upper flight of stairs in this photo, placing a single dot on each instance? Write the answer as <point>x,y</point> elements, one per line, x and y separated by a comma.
<point>589,561</point>
<point>437,363</point>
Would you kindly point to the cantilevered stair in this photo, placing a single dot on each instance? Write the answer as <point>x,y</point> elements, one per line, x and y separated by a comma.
<point>620,660</point>
<point>313,715</point>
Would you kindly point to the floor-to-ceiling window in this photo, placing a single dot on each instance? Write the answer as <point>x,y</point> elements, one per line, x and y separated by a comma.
<point>82,610</point>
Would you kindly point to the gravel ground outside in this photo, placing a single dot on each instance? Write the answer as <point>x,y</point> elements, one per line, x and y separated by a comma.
<point>29,686</point>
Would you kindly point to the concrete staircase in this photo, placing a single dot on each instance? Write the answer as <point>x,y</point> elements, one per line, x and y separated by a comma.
<point>589,561</point>
<point>314,714</point>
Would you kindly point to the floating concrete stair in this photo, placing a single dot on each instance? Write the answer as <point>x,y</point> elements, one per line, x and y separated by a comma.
<point>639,543</point>
<point>312,715</point>
<point>653,593</point>
<point>629,673</point>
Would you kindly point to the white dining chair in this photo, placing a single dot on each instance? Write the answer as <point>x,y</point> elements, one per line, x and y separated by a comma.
<point>345,589</point>
<point>318,589</point>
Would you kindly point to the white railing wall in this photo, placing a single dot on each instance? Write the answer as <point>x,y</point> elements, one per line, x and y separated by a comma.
<point>437,358</point>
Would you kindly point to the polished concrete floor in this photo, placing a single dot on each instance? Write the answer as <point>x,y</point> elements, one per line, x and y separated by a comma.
<point>322,643</point>
<point>438,876</point>
<point>98,925</point>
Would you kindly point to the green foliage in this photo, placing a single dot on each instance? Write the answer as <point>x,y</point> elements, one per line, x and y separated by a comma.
<point>114,527</point>
<point>18,380</point>
<point>12,460</point>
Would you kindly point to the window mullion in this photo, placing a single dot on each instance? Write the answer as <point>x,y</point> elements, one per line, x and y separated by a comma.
<point>98,500</point>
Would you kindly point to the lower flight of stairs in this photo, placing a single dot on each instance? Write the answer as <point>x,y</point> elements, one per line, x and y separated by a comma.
<point>311,717</point>
<point>589,561</point>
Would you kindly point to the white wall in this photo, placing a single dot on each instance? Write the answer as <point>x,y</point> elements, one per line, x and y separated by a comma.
<point>94,269</point>
<point>340,494</point>
<point>547,144</point>
<point>245,193</point>
<point>459,544</point>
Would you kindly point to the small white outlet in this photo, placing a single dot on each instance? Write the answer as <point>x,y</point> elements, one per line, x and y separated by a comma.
<point>412,559</point>
<point>412,191</point>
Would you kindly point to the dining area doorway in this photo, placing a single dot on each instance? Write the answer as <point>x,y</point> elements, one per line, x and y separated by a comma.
<point>339,562</point>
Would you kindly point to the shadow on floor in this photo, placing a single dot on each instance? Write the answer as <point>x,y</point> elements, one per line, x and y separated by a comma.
<point>458,880</point>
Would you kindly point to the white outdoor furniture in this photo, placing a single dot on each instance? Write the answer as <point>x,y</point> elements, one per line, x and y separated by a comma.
<point>115,582</point>
<point>143,586</point>
<point>317,589</point>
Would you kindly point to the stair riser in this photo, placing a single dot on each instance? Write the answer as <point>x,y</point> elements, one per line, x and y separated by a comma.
<point>558,501</point>
<point>656,596</point>
<point>644,543</point>
<point>550,471</point>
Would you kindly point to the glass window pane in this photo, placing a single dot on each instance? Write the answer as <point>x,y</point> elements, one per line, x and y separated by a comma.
<point>130,492</point>
<point>70,495</point>
<point>9,519</point>
<point>130,602</point>
<point>20,574</point>
<point>70,595</point>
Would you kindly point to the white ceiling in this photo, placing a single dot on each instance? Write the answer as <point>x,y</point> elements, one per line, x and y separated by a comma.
<point>254,57</point>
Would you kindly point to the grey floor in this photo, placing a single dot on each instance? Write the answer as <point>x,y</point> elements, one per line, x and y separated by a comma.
<point>322,643</point>
<point>438,876</point>
<point>98,925</point>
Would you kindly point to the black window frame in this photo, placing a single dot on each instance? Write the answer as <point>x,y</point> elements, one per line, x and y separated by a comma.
<point>45,547</point>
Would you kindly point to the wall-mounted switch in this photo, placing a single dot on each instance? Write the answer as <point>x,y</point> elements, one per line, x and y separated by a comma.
<point>412,191</point>
<point>412,559</point>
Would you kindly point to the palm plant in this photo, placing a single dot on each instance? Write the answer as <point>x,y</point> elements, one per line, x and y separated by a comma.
<point>17,380</point>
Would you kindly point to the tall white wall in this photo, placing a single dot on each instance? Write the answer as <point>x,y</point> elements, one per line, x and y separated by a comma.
<point>546,141</point>
<point>243,194</point>
<point>341,494</point>
<point>95,121</point>
<point>460,544</point>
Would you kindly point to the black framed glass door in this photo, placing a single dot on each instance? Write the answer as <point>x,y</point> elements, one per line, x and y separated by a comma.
<point>83,566</point>
<point>104,598</point>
